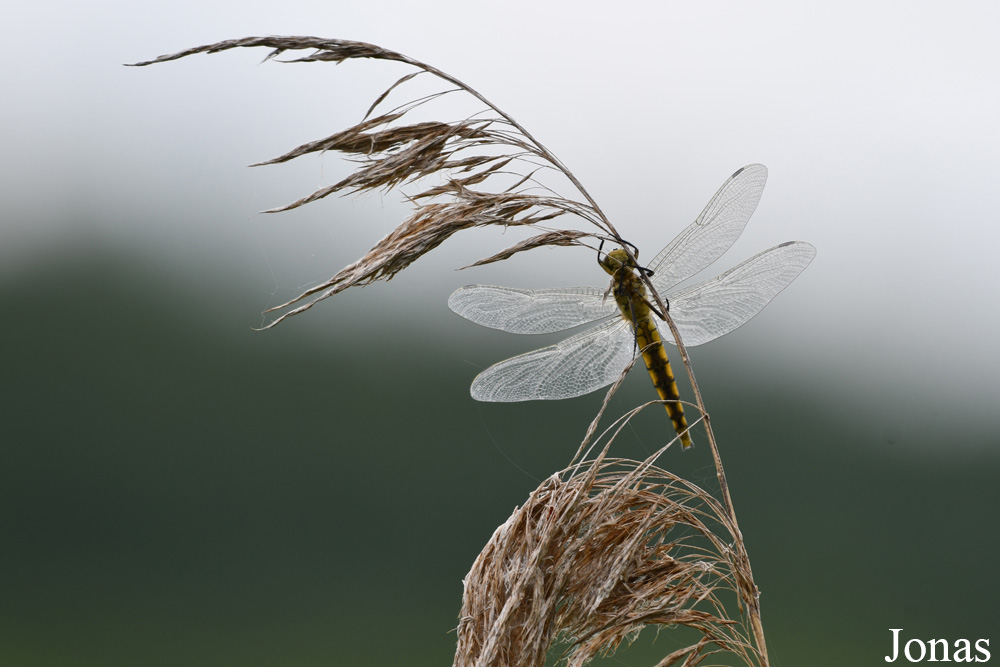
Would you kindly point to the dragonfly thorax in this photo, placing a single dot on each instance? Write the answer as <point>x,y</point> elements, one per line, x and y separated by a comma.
<point>626,285</point>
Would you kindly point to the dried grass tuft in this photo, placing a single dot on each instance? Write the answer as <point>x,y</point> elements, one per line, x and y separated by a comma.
<point>473,161</point>
<point>602,550</point>
<point>596,554</point>
<point>563,238</point>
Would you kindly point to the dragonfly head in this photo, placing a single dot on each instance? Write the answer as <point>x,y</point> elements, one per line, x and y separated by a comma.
<point>615,260</point>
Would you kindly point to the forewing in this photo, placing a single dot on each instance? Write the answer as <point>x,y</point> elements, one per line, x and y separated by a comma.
<point>715,307</point>
<point>576,366</point>
<point>713,232</point>
<point>524,311</point>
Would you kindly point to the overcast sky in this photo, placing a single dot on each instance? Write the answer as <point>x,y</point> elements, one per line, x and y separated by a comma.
<point>877,121</point>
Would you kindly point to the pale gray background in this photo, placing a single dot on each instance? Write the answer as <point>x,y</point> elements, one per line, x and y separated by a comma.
<point>877,121</point>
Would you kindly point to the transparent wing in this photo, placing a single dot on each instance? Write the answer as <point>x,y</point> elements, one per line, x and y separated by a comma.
<point>715,307</point>
<point>713,232</point>
<point>576,366</point>
<point>524,311</point>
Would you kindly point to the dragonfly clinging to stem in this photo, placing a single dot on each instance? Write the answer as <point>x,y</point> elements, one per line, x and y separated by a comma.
<point>626,324</point>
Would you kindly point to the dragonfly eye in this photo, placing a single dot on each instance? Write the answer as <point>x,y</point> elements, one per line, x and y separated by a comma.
<point>615,261</point>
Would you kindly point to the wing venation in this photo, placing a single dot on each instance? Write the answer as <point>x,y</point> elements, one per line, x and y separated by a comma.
<point>524,311</point>
<point>576,366</point>
<point>713,308</point>
<point>713,232</point>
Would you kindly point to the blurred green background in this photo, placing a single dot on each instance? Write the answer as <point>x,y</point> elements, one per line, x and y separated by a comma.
<point>178,489</point>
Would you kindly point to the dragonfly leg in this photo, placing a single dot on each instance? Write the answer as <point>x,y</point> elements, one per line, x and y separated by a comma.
<point>635,249</point>
<point>656,310</point>
<point>635,332</point>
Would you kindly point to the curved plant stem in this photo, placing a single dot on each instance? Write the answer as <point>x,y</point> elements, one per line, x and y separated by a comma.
<point>720,472</point>
<point>549,155</point>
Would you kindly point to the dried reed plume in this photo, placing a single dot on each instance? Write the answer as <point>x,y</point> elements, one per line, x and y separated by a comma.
<point>607,546</point>
<point>476,158</point>
<point>602,550</point>
<point>593,558</point>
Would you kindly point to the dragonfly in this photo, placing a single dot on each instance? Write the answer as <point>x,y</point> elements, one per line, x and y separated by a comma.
<point>626,325</point>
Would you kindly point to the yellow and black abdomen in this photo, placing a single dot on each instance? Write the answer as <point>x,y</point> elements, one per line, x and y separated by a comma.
<point>630,294</point>
<point>655,355</point>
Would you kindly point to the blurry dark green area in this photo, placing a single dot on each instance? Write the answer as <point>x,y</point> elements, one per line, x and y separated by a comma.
<point>177,489</point>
